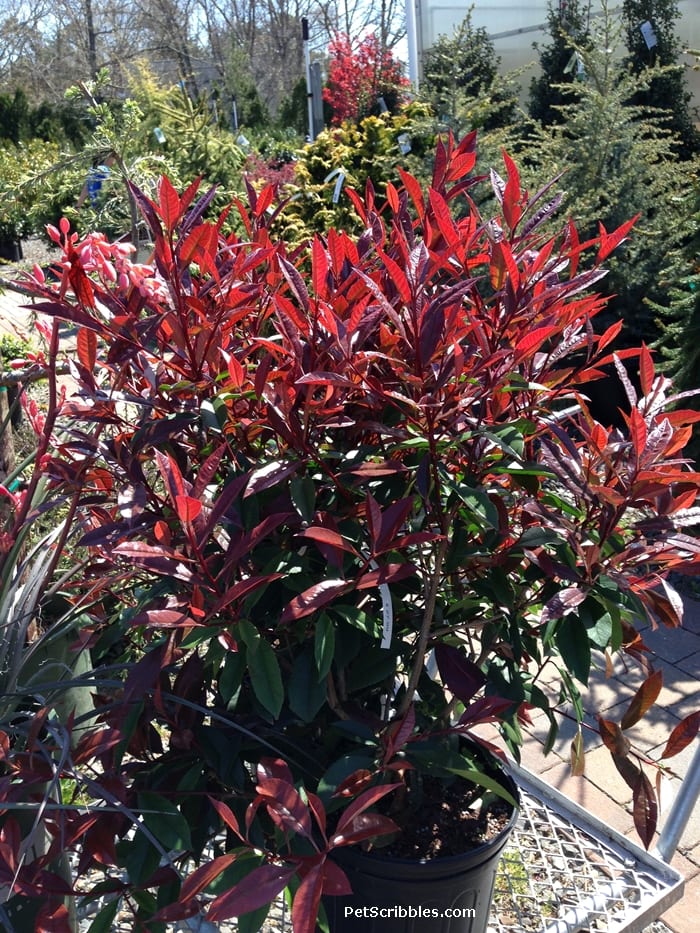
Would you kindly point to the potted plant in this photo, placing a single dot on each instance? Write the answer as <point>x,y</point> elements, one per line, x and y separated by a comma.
<point>19,164</point>
<point>340,514</point>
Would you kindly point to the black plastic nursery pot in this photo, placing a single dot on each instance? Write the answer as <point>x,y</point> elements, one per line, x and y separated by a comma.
<point>442,895</point>
<point>10,249</point>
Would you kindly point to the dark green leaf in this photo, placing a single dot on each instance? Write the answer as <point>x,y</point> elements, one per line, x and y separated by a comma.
<point>263,668</point>
<point>574,647</point>
<point>306,693</point>
<point>231,677</point>
<point>324,645</point>
<point>303,492</point>
<point>139,857</point>
<point>165,821</point>
<point>104,920</point>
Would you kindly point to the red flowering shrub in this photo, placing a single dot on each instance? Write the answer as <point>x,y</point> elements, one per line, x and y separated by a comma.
<point>357,79</point>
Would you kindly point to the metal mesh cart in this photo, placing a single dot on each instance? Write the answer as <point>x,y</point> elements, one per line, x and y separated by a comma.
<point>565,871</point>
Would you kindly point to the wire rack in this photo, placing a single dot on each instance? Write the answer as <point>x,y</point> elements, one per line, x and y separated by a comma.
<point>565,871</point>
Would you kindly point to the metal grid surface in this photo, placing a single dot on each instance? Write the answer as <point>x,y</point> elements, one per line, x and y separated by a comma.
<point>564,871</point>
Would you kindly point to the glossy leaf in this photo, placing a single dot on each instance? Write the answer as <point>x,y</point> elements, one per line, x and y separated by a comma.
<point>682,735</point>
<point>307,899</point>
<point>461,675</point>
<point>286,806</point>
<point>613,737</point>
<point>202,877</point>
<point>257,889</point>
<point>313,599</point>
<point>644,809</point>
<point>643,700</point>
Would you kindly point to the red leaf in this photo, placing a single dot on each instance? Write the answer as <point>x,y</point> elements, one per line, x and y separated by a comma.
<point>414,190</point>
<point>354,783</point>
<point>463,159</point>
<point>512,211</point>
<point>313,598</point>
<point>646,370</point>
<point>683,734</point>
<point>643,699</point>
<point>53,918</point>
<point>443,218</point>
<point>264,200</point>
<point>612,737</point>
<point>227,815</point>
<point>609,241</point>
<point>318,810</point>
<point>362,827</point>
<point>319,269</point>
<point>397,277</point>
<point>268,476</point>
<point>81,285</point>
<point>170,472</point>
<point>203,876</point>
<point>485,709</point>
<point>562,602</point>
<point>306,901</point>
<point>86,345</point>
<point>335,881</point>
<point>533,340</point>
<point>285,805</point>
<point>274,768</point>
<point>392,197</point>
<point>388,573</point>
<point>200,246</point>
<point>163,618</point>
<point>461,676</point>
<point>638,431</point>
<point>243,588</point>
<point>169,206</point>
<point>257,889</point>
<point>329,537</point>
<point>366,800</point>
<point>644,809</point>
<point>295,281</point>
<point>503,267</point>
<point>188,509</point>
<point>398,733</point>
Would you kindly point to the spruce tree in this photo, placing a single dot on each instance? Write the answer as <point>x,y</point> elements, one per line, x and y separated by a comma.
<point>568,24</point>
<point>651,39</point>
<point>678,317</point>
<point>461,80</point>
<point>618,160</point>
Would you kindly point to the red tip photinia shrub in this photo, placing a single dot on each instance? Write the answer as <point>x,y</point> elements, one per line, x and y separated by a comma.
<point>306,479</point>
<point>358,77</point>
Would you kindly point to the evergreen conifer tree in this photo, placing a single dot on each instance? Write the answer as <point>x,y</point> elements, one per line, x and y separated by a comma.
<point>461,80</point>
<point>568,24</point>
<point>651,39</point>
<point>618,160</point>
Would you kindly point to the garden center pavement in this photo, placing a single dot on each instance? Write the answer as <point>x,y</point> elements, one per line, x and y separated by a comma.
<point>601,790</point>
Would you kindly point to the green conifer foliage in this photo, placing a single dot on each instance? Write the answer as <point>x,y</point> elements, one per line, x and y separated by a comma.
<point>568,24</point>
<point>617,160</point>
<point>678,317</point>
<point>461,80</point>
<point>667,90</point>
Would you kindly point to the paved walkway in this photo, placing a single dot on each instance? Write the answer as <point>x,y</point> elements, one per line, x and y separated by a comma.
<point>602,791</point>
<point>14,319</point>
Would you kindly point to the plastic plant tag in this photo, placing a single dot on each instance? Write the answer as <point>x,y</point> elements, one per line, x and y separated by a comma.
<point>647,30</point>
